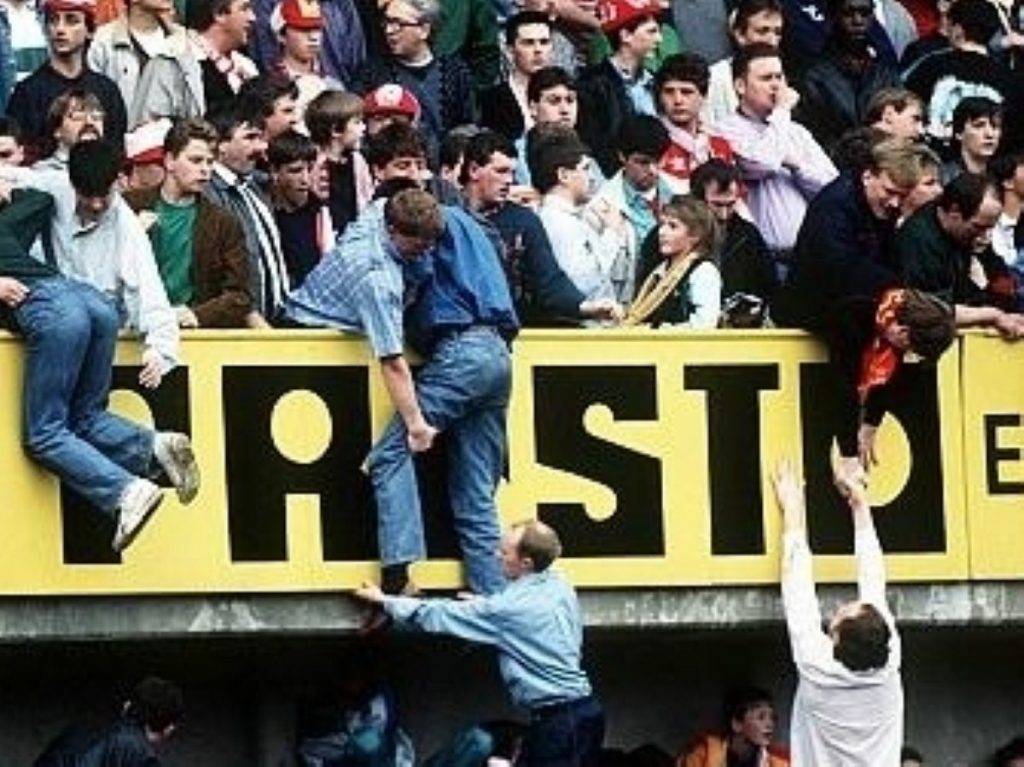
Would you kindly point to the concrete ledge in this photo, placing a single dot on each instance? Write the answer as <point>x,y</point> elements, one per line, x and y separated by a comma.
<point>24,619</point>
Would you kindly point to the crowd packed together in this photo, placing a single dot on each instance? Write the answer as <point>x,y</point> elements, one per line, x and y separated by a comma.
<point>437,174</point>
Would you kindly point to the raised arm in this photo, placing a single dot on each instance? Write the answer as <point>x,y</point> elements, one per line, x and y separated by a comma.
<point>799,600</point>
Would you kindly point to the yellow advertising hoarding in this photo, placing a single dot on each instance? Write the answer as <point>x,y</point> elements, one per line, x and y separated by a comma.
<point>649,451</point>
<point>993,419</point>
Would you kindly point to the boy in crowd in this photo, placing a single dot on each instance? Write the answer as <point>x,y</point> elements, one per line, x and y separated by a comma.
<point>199,247</point>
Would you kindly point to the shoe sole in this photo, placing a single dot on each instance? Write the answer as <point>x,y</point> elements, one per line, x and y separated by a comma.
<point>127,540</point>
<point>183,471</point>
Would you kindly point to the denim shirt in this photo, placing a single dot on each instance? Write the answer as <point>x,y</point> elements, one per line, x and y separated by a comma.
<point>461,284</point>
<point>534,624</point>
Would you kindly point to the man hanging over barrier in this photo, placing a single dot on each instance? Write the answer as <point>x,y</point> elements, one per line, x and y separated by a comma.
<point>70,330</point>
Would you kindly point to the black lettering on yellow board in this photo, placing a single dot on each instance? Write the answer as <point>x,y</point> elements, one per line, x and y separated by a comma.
<point>561,396</point>
<point>996,454</point>
<point>734,451</point>
<point>86,534</point>
<point>914,521</point>
<point>262,478</point>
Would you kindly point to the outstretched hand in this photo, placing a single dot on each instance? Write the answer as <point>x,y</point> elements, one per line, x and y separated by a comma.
<point>789,492</point>
<point>369,592</point>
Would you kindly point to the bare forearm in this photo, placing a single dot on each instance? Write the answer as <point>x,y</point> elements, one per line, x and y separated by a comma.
<point>972,316</point>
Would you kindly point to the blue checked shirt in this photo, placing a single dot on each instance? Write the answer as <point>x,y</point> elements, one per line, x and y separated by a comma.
<point>357,286</point>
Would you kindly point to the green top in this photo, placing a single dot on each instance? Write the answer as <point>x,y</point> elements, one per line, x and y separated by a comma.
<point>172,245</point>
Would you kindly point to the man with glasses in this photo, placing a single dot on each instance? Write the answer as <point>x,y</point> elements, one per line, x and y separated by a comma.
<point>442,84</point>
<point>69,27</point>
<point>74,116</point>
<point>837,90</point>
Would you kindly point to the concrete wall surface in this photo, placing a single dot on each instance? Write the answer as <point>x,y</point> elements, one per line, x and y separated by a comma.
<point>964,687</point>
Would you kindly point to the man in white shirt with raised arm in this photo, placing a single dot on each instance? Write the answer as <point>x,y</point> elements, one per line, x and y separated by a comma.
<point>848,708</point>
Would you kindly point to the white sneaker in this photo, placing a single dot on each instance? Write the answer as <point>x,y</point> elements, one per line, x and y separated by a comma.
<point>174,453</point>
<point>138,502</point>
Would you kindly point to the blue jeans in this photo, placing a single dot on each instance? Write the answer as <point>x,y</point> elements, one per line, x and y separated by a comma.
<point>70,330</point>
<point>565,735</point>
<point>463,390</point>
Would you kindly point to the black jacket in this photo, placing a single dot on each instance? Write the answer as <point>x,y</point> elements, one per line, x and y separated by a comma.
<point>603,106</point>
<point>834,98</point>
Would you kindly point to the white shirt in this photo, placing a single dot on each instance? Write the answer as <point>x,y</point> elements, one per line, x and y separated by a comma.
<point>1003,239</point>
<point>840,718</point>
<point>113,255</point>
<point>721,100</point>
<point>585,256</point>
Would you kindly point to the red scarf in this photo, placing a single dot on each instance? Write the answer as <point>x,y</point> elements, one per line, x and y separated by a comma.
<point>881,360</point>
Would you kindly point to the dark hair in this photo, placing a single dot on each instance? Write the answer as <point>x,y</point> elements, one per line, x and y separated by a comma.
<point>9,127</point>
<point>685,67</point>
<point>522,19</point>
<point>453,145</point>
<point>740,700</point>
<point>966,192</point>
<point>642,134</point>
<point>200,16</point>
<point>930,323</point>
<point>978,19</point>
<point>715,172</point>
<point>971,108</point>
<point>235,114</point>
<point>90,19</point>
<point>156,704</point>
<point>260,94</point>
<point>911,753</point>
<point>481,147</point>
<point>551,154</point>
<point>1001,168</point>
<point>184,131</point>
<point>94,167</point>
<point>397,139</point>
<point>750,53</point>
<point>862,640</point>
<point>545,79</point>
<point>747,9</point>
<point>1008,752</point>
<point>289,147</point>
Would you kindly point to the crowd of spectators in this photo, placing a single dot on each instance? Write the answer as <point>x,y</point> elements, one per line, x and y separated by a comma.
<point>854,168</point>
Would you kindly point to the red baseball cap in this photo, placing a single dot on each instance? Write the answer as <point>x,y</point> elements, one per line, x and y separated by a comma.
<point>391,98</point>
<point>297,14</point>
<point>614,14</point>
<point>87,7</point>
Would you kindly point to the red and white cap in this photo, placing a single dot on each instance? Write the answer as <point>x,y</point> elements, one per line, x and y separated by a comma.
<point>297,14</point>
<point>87,7</point>
<point>614,14</point>
<point>145,144</point>
<point>390,99</point>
